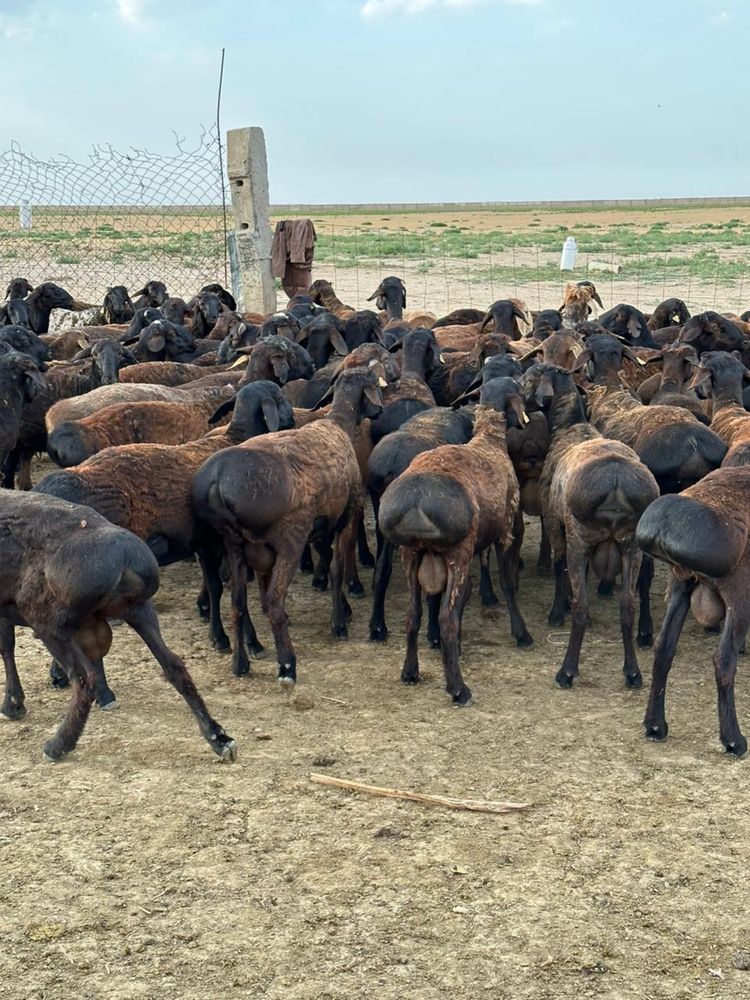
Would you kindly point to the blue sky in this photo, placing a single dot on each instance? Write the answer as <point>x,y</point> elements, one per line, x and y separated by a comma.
<point>401,100</point>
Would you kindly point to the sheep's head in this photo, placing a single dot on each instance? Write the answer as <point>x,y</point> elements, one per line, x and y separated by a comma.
<point>391,295</point>
<point>629,323</point>
<point>117,306</point>
<point>504,313</point>
<point>154,294</point>
<point>719,371</point>
<point>18,288</point>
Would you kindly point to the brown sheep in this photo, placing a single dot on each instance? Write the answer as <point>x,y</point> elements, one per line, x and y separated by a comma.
<point>267,497</point>
<point>593,491</point>
<point>65,571</point>
<point>452,502</point>
<point>723,373</point>
<point>702,534</point>
<point>72,442</point>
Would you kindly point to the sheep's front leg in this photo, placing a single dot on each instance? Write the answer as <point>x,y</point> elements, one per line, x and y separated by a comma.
<point>678,605</point>
<point>645,636</point>
<point>383,570</point>
<point>578,576</point>
<point>630,569</point>
<point>725,667</point>
<point>487,595</point>
<point>13,706</point>
<point>410,669</point>
<point>238,572</point>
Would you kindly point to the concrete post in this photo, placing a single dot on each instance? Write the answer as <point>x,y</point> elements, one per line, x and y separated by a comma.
<point>250,242</point>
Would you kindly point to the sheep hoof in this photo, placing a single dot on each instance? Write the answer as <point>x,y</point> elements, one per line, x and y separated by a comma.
<point>367,560</point>
<point>463,698</point>
<point>378,633</point>
<point>656,731</point>
<point>606,588</point>
<point>240,668</point>
<point>320,583</point>
<point>287,683</point>
<point>356,589</point>
<point>204,611</point>
<point>410,678</point>
<point>556,619</point>
<point>490,602</point>
<point>258,651</point>
<point>58,678</point>
<point>221,644</point>
<point>11,712</point>
<point>340,632</point>
<point>645,640</point>
<point>634,680</point>
<point>434,642</point>
<point>738,748</point>
<point>51,753</point>
<point>109,704</point>
<point>224,746</point>
<point>564,680</point>
<point>525,641</point>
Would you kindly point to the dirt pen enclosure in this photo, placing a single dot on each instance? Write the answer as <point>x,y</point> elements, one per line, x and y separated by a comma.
<point>142,867</point>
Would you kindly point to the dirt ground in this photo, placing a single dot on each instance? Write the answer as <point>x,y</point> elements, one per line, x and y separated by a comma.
<point>142,867</point>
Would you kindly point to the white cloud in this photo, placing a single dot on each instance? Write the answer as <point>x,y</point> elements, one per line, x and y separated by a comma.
<point>130,11</point>
<point>721,18</point>
<point>23,27</point>
<point>380,8</point>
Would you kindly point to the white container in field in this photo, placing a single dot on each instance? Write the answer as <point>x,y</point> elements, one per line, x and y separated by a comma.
<point>569,254</point>
<point>24,215</point>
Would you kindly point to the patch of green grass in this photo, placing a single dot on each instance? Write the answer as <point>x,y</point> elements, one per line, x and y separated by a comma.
<point>67,259</point>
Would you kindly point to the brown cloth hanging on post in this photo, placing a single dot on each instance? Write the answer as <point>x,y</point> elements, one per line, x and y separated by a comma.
<point>292,253</point>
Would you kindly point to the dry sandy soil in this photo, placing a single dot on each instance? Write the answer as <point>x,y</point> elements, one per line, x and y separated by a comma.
<point>143,868</point>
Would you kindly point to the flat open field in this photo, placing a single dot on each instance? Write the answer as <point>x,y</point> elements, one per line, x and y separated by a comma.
<point>143,868</point>
<point>448,257</point>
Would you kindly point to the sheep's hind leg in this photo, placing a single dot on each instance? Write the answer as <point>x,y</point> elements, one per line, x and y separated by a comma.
<point>238,571</point>
<point>678,605</point>
<point>344,546</point>
<point>577,574</point>
<point>556,617</point>
<point>366,558</point>
<point>451,609</point>
<point>144,622</point>
<point>275,587</point>
<point>725,666</point>
<point>630,570</point>
<point>83,681</point>
<point>13,706</point>
<point>410,669</point>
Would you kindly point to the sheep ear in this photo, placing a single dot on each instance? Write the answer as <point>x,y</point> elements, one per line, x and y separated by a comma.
<point>32,382</point>
<point>532,353</point>
<point>338,343</point>
<point>377,294</point>
<point>141,291</point>
<point>471,393</point>
<point>691,335</point>
<point>82,355</point>
<point>403,294</point>
<point>595,297</point>
<point>701,377</point>
<point>487,317</point>
<point>241,360</point>
<point>373,395</point>
<point>81,341</point>
<point>516,404</point>
<point>327,396</point>
<point>582,360</point>
<point>545,390</point>
<point>395,346</point>
<point>222,411</point>
<point>270,414</point>
<point>280,369</point>
<point>156,344</point>
<point>517,312</point>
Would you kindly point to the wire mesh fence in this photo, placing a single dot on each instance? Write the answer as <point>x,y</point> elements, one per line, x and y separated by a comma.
<point>125,218</point>
<point>447,267</point>
<point>121,218</point>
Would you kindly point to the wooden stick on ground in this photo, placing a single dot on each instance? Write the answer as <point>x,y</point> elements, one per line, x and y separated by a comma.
<point>471,805</point>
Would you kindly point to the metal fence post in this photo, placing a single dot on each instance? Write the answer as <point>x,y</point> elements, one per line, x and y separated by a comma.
<point>250,242</point>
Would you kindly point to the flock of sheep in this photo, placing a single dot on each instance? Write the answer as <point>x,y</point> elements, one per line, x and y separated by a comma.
<point>188,429</point>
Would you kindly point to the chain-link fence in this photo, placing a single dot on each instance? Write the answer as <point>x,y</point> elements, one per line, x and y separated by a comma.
<point>121,218</point>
